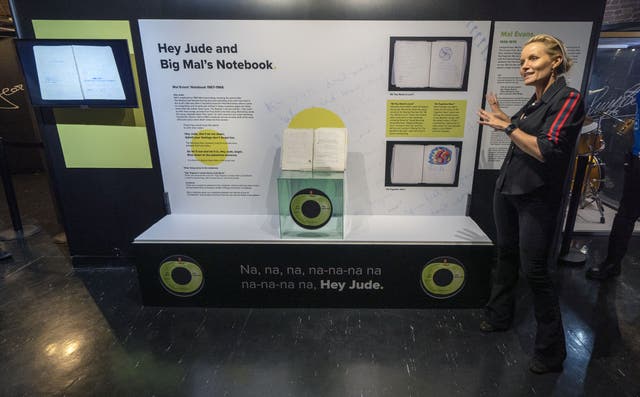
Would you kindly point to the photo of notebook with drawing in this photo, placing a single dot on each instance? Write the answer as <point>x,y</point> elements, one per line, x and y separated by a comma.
<point>424,63</point>
<point>424,164</point>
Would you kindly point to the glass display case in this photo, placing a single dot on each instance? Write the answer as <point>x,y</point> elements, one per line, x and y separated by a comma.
<point>611,108</point>
<point>311,204</point>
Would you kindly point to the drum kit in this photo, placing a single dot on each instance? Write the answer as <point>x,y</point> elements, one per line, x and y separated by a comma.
<point>590,144</point>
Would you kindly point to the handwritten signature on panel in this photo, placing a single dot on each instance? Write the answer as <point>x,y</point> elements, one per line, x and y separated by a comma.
<point>614,105</point>
<point>5,93</point>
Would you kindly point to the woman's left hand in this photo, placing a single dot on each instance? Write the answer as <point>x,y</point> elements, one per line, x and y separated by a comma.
<point>492,119</point>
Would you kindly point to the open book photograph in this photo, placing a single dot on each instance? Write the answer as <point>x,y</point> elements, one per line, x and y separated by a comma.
<point>429,63</point>
<point>78,73</point>
<point>319,149</point>
<point>411,163</point>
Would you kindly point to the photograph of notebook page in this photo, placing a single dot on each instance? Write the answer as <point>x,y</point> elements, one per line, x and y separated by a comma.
<point>429,64</point>
<point>320,149</point>
<point>77,72</point>
<point>448,62</point>
<point>415,164</point>
<point>411,64</point>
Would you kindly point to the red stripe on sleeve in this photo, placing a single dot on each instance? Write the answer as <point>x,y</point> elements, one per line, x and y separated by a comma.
<point>573,105</point>
<point>553,132</point>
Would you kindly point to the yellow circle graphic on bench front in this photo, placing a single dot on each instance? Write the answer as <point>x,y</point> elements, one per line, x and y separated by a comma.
<point>181,275</point>
<point>316,118</point>
<point>443,277</point>
<point>209,147</point>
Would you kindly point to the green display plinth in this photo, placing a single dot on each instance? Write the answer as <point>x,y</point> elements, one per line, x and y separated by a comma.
<point>311,204</point>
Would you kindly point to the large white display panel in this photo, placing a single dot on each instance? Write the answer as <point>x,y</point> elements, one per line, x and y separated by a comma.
<point>222,92</point>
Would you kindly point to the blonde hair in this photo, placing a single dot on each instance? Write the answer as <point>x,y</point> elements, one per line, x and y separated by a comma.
<point>555,48</point>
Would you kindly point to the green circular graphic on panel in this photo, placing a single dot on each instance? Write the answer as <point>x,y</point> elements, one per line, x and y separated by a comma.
<point>181,275</point>
<point>442,277</point>
<point>310,208</point>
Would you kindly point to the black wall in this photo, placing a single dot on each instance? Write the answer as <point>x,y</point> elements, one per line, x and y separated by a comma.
<point>497,10</point>
<point>17,124</point>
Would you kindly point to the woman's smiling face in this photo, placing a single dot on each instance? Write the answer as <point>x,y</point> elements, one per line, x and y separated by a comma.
<point>536,65</point>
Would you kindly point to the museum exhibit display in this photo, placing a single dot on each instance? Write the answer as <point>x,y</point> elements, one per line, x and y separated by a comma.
<point>322,156</point>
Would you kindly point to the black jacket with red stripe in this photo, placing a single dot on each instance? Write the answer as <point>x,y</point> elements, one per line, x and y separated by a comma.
<point>556,120</point>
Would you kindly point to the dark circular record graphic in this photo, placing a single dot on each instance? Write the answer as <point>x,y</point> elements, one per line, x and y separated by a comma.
<point>310,208</point>
<point>181,275</point>
<point>442,277</point>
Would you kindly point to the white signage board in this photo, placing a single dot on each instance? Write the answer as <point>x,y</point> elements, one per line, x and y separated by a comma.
<point>223,91</point>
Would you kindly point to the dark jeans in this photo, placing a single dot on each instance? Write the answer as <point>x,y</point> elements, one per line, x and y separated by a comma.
<point>628,212</point>
<point>525,225</point>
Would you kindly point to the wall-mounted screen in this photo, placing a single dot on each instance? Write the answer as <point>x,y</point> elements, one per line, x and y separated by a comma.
<point>78,73</point>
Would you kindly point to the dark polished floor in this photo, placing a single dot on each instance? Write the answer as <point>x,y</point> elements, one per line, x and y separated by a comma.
<point>67,332</point>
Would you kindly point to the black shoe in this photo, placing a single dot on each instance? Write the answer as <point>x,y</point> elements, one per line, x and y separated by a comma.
<point>486,326</point>
<point>603,271</point>
<point>539,367</point>
<point>5,255</point>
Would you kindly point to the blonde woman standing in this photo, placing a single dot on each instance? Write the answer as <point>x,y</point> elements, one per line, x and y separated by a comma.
<point>528,194</point>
